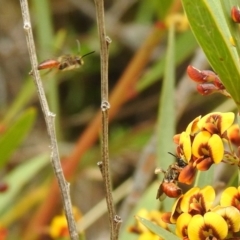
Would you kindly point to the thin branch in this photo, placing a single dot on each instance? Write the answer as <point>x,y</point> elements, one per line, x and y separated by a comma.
<point>49,119</point>
<point>114,220</point>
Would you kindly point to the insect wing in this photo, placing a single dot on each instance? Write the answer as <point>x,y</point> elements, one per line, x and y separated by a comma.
<point>160,194</point>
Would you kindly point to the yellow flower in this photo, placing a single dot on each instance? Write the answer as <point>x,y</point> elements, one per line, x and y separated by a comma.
<point>185,146</point>
<point>231,197</point>
<point>59,227</point>
<point>192,127</point>
<point>209,226</point>
<point>207,149</point>
<point>182,225</point>
<point>198,201</point>
<point>216,122</point>
<point>231,215</point>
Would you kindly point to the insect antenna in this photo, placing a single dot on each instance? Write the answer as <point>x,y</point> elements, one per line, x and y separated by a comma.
<point>87,54</point>
<point>173,154</point>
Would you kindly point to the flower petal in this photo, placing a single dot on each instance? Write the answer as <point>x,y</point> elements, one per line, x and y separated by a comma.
<point>231,215</point>
<point>187,174</point>
<point>209,196</point>
<point>210,225</point>
<point>187,198</point>
<point>196,200</point>
<point>185,142</point>
<point>182,224</point>
<point>195,225</point>
<point>192,127</point>
<point>199,141</point>
<point>231,197</point>
<point>218,224</point>
<point>216,121</point>
<point>216,148</point>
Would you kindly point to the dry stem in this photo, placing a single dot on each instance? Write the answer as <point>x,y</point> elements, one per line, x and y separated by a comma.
<point>115,221</point>
<point>49,119</point>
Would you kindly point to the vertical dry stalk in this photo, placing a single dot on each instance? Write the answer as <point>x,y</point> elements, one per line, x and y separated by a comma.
<point>49,119</point>
<point>115,221</point>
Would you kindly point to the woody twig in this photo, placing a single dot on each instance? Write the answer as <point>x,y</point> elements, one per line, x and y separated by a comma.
<point>49,119</point>
<point>114,220</point>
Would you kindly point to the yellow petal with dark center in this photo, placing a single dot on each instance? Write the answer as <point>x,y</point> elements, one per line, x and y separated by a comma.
<point>199,142</point>
<point>231,215</point>
<point>216,148</point>
<point>188,198</point>
<point>185,142</point>
<point>194,227</point>
<point>227,196</point>
<point>222,121</point>
<point>176,211</point>
<point>182,224</point>
<point>208,196</point>
<point>192,127</point>
<point>209,118</point>
<point>226,121</point>
<point>209,226</point>
<point>217,223</point>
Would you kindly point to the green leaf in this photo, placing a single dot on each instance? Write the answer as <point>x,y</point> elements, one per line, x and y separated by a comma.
<point>233,27</point>
<point>210,27</point>
<point>166,116</point>
<point>161,232</point>
<point>19,177</point>
<point>11,139</point>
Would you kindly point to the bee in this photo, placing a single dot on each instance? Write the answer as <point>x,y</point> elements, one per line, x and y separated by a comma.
<point>169,185</point>
<point>63,63</point>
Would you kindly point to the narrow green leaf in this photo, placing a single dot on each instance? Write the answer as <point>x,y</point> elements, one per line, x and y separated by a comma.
<point>209,25</point>
<point>166,117</point>
<point>161,232</point>
<point>19,177</point>
<point>233,27</point>
<point>10,140</point>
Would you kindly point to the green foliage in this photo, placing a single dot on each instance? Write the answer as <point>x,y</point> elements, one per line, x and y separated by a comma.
<point>12,138</point>
<point>166,118</point>
<point>210,27</point>
<point>19,177</point>
<point>157,230</point>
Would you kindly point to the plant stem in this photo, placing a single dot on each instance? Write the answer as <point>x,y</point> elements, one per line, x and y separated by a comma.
<point>49,119</point>
<point>114,220</point>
